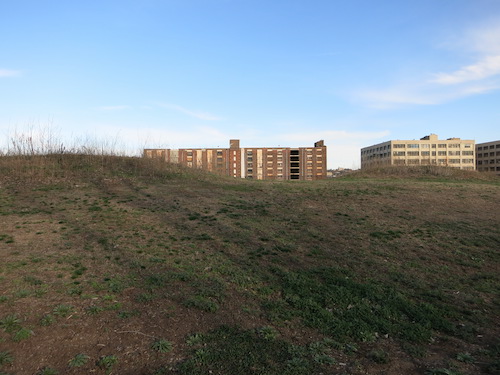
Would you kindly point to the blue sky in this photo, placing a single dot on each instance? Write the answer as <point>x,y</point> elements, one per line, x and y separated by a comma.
<point>195,73</point>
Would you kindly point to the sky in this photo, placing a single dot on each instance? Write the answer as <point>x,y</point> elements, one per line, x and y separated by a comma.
<point>196,73</point>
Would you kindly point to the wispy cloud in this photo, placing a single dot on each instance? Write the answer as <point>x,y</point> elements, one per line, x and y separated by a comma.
<point>9,73</point>
<point>424,94</point>
<point>487,67</point>
<point>113,107</point>
<point>480,76</point>
<point>165,137</point>
<point>333,136</point>
<point>196,114</point>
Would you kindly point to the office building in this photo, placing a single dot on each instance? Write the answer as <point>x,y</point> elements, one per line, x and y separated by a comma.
<point>429,150</point>
<point>488,157</point>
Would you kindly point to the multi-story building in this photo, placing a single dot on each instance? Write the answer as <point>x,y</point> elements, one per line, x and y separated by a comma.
<point>488,157</point>
<point>270,163</point>
<point>429,150</point>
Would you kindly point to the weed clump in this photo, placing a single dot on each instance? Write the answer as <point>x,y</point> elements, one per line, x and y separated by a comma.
<point>107,362</point>
<point>6,358</point>
<point>202,303</point>
<point>162,346</point>
<point>78,360</point>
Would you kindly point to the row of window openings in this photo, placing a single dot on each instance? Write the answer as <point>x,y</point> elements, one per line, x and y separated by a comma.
<point>438,161</point>
<point>428,153</point>
<point>489,169</point>
<point>486,147</point>
<point>250,153</point>
<point>439,145</point>
<point>492,161</point>
<point>486,154</point>
<point>416,145</point>
<point>294,170</point>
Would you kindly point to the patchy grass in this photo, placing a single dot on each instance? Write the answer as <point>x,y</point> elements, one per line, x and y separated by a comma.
<point>389,273</point>
<point>230,350</point>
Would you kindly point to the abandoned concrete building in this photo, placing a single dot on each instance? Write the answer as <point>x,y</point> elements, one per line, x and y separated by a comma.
<point>488,157</point>
<point>267,163</point>
<point>429,150</point>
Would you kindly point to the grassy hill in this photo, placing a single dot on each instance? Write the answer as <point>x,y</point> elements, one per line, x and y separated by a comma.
<point>128,266</point>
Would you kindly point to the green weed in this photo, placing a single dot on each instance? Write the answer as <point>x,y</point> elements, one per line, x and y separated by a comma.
<point>388,235</point>
<point>379,356</point>
<point>268,333</point>
<point>194,339</point>
<point>22,334</point>
<point>6,238</point>
<point>442,371</point>
<point>202,303</point>
<point>78,360</point>
<point>63,310</point>
<point>324,359</point>
<point>32,280</point>
<point>94,310</point>
<point>48,371</point>
<point>107,362</point>
<point>162,346</point>
<point>5,358</point>
<point>465,357</point>
<point>128,314</point>
<point>47,320</point>
<point>10,323</point>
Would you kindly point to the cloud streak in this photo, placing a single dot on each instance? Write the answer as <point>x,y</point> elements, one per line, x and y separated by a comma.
<point>480,77</point>
<point>113,107</point>
<point>9,73</point>
<point>487,67</point>
<point>196,114</point>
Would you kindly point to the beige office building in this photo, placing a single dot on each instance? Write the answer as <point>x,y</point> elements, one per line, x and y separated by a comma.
<point>429,150</point>
<point>488,157</point>
<point>268,163</point>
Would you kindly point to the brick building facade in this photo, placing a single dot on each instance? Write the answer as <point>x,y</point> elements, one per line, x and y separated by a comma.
<point>268,163</point>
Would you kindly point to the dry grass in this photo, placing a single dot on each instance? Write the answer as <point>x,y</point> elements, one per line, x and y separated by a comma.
<point>423,172</point>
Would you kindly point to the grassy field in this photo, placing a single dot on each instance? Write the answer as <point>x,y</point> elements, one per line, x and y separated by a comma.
<point>113,265</point>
